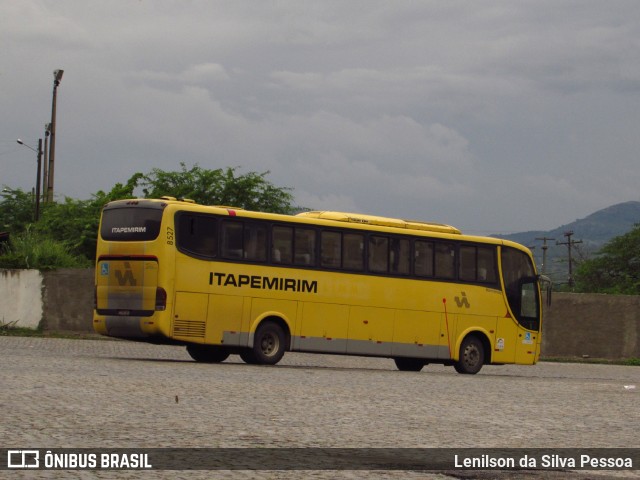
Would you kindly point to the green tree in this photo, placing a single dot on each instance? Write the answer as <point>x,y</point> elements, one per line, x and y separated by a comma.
<point>71,226</point>
<point>76,222</point>
<point>64,236</point>
<point>30,249</point>
<point>251,191</point>
<point>616,268</point>
<point>17,210</point>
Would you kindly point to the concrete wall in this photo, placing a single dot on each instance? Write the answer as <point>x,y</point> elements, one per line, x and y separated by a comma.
<point>59,300</point>
<point>68,300</point>
<point>598,326</point>
<point>576,325</point>
<point>20,298</point>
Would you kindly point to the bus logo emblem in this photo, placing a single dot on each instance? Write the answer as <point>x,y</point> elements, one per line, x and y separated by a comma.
<point>462,302</point>
<point>127,278</point>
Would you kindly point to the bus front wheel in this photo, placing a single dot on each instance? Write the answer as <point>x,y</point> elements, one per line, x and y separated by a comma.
<point>269,343</point>
<point>207,353</point>
<point>471,356</point>
<point>409,364</point>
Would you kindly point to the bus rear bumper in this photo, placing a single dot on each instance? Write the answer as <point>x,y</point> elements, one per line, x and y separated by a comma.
<point>121,327</point>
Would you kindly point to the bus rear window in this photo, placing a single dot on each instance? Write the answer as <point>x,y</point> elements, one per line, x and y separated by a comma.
<point>130,224</point>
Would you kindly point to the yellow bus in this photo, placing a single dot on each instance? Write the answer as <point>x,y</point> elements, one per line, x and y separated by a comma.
<point>224,281</point>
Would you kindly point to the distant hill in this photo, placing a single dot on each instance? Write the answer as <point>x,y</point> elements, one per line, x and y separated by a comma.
<point>593,231</point>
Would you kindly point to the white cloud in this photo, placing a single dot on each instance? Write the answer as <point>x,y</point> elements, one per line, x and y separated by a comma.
<point>203,74</point>
<point>503,116</point>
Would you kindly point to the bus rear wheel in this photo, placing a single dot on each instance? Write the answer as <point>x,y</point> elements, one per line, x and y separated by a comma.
<point>471,356</point>
<point>405,364</point>
<point>207,353</point>
<point>248,356</point>
<point>269,343</point>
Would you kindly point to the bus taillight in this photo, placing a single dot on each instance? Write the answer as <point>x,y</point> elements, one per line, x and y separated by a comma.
<point>161,299</point>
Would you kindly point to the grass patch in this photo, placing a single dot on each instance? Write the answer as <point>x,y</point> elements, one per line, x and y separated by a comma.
<point>7,329</point>
<point>11,330</point>
<point>19,332</point>
<point>30,249</point>
<point>634,362</point>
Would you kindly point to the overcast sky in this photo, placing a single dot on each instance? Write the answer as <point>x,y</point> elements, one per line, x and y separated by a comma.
<point>493,116</point>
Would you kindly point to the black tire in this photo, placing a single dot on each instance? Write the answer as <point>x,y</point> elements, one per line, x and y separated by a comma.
<point>248,356</point>
<point>405,364</point>
<point>269,343</point>
<point>471,356</point>
<point>207,353</point>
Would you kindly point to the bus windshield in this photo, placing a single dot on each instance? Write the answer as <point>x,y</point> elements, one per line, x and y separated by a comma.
<point>521,287</point>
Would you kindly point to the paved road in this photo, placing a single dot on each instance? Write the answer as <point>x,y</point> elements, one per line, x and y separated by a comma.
<point>66,393</point>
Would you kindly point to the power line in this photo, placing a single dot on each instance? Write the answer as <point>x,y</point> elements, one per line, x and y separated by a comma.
<point>569,243</point>
<point>545,247</point>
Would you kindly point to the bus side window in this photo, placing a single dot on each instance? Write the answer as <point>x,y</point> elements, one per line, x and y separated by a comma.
<point>399,256</point>
<point>378,254</point>
<point>282,245</point>
<point>255,242</point>
<point>232,240</point>
<point>353,251</point>
<point>445,260</point>
<point>197,234</point>
<point>487,265</point>
<point>305,246</point>
<point>467,270</point>
<point>330,249</point>
<point>423,261</point>
<point>477,264</point>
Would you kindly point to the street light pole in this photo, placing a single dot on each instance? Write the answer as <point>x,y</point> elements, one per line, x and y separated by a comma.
<point>57,76</point>
<point>39,152</point>
<point>45,165</point>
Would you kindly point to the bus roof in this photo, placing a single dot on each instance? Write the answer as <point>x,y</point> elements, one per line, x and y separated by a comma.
<point>358,220</point>
<point>381,221</point>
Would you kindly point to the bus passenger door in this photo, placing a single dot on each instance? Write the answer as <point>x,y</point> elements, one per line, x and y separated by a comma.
<point>528,339</point>
<point>504,350</point>
<point>527,345</point>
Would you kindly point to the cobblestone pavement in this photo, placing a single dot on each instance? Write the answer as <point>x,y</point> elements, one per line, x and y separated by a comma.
<point>67,393</point>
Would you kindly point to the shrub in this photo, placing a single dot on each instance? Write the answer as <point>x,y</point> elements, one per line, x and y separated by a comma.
<point>34,250</point>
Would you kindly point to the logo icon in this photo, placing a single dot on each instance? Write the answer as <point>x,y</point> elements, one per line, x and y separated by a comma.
<point>23,458</point>
<point>462,302</point>
<point>127,277</point>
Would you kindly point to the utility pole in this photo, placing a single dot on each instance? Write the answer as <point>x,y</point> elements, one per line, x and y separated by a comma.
<point>545,247</point>
<point>39,164</point>
<point>57,76</point>
<point>569,243</point>
<point>45,172</point>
